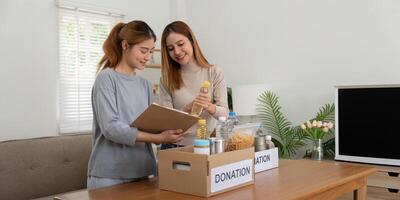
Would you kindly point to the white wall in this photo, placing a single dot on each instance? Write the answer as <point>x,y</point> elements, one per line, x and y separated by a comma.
<point>177,10</point>
<point>29,58</point>
<point>302,48</point>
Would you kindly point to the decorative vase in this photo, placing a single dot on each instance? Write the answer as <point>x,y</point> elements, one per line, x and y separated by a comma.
<point>317,152</point>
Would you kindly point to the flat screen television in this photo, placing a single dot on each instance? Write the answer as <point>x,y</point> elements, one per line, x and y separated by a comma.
<point>367,124</point>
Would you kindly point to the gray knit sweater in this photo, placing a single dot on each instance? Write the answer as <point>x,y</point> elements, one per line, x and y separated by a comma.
<point>118,99</point>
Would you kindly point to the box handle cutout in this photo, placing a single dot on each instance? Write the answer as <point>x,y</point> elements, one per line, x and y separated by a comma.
<point>183,166</point>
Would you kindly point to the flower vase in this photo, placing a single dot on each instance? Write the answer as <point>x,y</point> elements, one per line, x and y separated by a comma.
<point>317,151</point>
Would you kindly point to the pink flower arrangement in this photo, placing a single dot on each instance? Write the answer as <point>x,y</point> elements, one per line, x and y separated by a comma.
<point>317,129</point>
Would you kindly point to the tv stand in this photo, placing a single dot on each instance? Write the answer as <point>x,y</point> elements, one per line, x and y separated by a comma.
<point>386,181</point>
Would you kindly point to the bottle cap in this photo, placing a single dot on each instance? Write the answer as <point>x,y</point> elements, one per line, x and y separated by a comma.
<point>206,84</point>
<point>201,143</point>
<point>259,131</point>
<point>221,118</point>
<point>268,137</point>
<point>201,122</point>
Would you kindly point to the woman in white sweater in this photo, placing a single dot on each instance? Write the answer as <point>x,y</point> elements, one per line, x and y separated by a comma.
<point>184,69</point>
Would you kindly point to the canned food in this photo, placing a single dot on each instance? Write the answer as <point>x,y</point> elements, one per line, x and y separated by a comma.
<point>212,145</point>
<point>259,140</point>
<point>217,145</point>
<point>259,143</point>
<point>201,146</point>
<point>260,148</point>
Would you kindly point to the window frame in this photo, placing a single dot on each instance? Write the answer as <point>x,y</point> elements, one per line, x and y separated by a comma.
<point>74,113</point>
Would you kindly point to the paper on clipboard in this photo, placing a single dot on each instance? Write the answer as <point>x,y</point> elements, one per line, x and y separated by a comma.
<point>156,119</point>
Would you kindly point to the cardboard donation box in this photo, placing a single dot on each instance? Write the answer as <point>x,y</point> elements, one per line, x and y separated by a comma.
<point>181,170</point>
<point>266,159</point>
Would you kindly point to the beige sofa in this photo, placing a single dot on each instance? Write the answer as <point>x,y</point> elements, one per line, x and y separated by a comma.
<point>33,168</point>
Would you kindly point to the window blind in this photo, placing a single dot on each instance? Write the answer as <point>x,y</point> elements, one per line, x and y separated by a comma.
<point>81,36</point>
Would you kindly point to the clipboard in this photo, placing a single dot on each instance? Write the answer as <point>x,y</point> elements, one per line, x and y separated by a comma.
<point>156,119</point>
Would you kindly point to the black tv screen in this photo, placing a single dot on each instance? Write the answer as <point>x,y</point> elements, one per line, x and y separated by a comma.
<point>368,124</point>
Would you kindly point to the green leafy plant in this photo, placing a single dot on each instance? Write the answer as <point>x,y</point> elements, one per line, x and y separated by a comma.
<point>329,147</point>
<point>288,138</point>
<point>229,91</point>
<point>326,113</point>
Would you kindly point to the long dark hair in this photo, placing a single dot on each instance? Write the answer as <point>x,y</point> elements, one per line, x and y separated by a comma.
<point>170,69</point>
<point>133,32</point>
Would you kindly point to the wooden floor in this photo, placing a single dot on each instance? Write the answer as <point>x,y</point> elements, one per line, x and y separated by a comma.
<point>375,193</point>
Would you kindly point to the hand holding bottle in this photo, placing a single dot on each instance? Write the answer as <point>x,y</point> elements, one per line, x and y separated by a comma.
<point>202,100</point>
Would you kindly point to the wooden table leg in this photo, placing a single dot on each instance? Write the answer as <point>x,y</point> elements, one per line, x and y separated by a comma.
<point>361,193</point>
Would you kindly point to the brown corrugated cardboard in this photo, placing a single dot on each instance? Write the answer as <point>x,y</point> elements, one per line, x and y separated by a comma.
<point>181,170</point>
<point>156,119</point>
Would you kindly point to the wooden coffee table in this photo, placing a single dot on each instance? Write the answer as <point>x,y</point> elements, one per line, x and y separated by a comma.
<point>294,179</point>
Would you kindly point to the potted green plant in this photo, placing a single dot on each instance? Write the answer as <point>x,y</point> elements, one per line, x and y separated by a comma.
<point>287,137</point>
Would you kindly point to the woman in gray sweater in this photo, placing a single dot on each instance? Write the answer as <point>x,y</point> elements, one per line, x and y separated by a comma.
<point>122,153</point>
<point>184,69</point>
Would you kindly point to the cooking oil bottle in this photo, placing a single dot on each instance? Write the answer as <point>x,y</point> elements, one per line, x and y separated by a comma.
<point>197,109</point>
<point>201,129</point>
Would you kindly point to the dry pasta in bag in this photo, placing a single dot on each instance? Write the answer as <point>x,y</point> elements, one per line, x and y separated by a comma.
<point>242,137</point>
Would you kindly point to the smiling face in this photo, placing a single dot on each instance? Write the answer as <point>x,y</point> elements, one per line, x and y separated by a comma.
<point>138,55</point>
<point>179,48</point>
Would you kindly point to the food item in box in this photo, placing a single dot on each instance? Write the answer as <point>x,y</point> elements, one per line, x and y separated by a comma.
<point>242,136</point>
<point>239,141</point>
<point>201,146</point>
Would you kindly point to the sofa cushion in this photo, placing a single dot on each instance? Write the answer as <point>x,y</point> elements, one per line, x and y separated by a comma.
<point>38,167</point>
